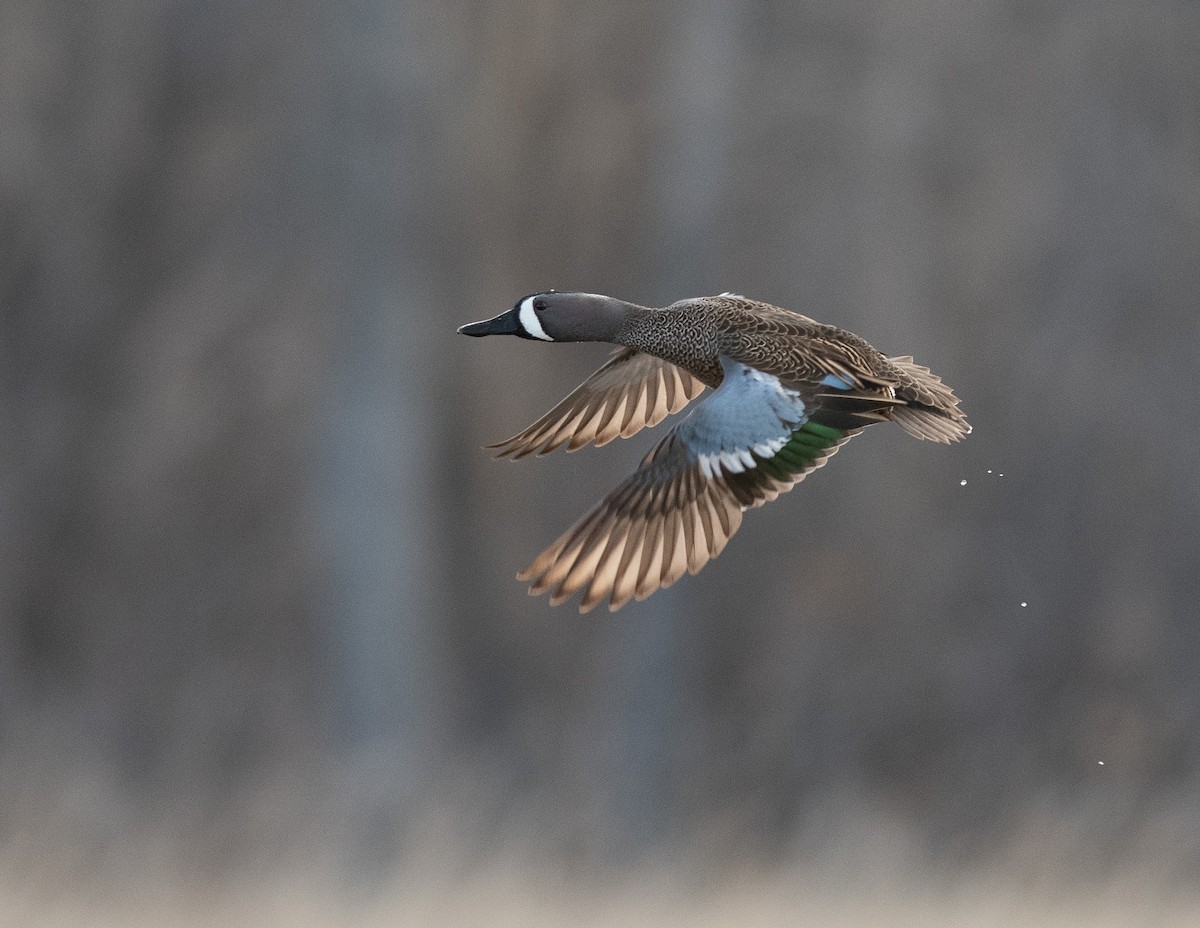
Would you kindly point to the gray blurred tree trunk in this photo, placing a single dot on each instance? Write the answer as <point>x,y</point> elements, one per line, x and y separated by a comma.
<point>378,421</point>
<point>381,426</point>
<point>652,673</point>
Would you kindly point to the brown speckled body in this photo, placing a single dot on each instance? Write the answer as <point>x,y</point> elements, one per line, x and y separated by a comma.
<point>693,333</point>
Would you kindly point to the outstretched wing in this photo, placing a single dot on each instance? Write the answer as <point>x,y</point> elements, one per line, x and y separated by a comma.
<point>750,441</point>
<point>632,391</point>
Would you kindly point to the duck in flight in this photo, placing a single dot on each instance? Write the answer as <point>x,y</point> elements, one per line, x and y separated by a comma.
<point>787,392</point>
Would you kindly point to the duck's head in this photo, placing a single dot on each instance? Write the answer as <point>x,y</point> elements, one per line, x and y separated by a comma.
<point>557,317</point>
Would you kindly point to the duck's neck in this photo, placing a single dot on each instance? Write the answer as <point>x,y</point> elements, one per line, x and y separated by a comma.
<point>636,327</point>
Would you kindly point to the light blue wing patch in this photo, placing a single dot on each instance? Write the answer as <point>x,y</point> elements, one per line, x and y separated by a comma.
<point>837,382</point>
<point>750,413</point>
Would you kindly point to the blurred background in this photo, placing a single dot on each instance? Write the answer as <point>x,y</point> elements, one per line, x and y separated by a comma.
<point>262,656</point>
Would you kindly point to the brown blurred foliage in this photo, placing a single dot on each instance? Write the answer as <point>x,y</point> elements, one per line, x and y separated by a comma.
<point>256,573</point>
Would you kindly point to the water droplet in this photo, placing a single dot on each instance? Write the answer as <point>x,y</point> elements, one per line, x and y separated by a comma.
<point>1100,762</point>
<point>1024,604</point>
<point>962,483</point>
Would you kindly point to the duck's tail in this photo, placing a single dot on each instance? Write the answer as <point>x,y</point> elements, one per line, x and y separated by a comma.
<point>931,412</point>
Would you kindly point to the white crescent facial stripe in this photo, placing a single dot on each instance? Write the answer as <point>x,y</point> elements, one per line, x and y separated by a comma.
<point>530,322</point>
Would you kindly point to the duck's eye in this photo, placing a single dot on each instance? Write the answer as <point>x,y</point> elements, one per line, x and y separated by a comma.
<point>539,305</point>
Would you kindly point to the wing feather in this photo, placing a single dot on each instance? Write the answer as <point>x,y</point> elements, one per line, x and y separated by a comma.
<point>679,509</point>
<point>630,392</point>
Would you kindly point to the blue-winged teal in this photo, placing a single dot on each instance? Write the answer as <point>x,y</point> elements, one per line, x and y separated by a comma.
<point>788,392</point>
